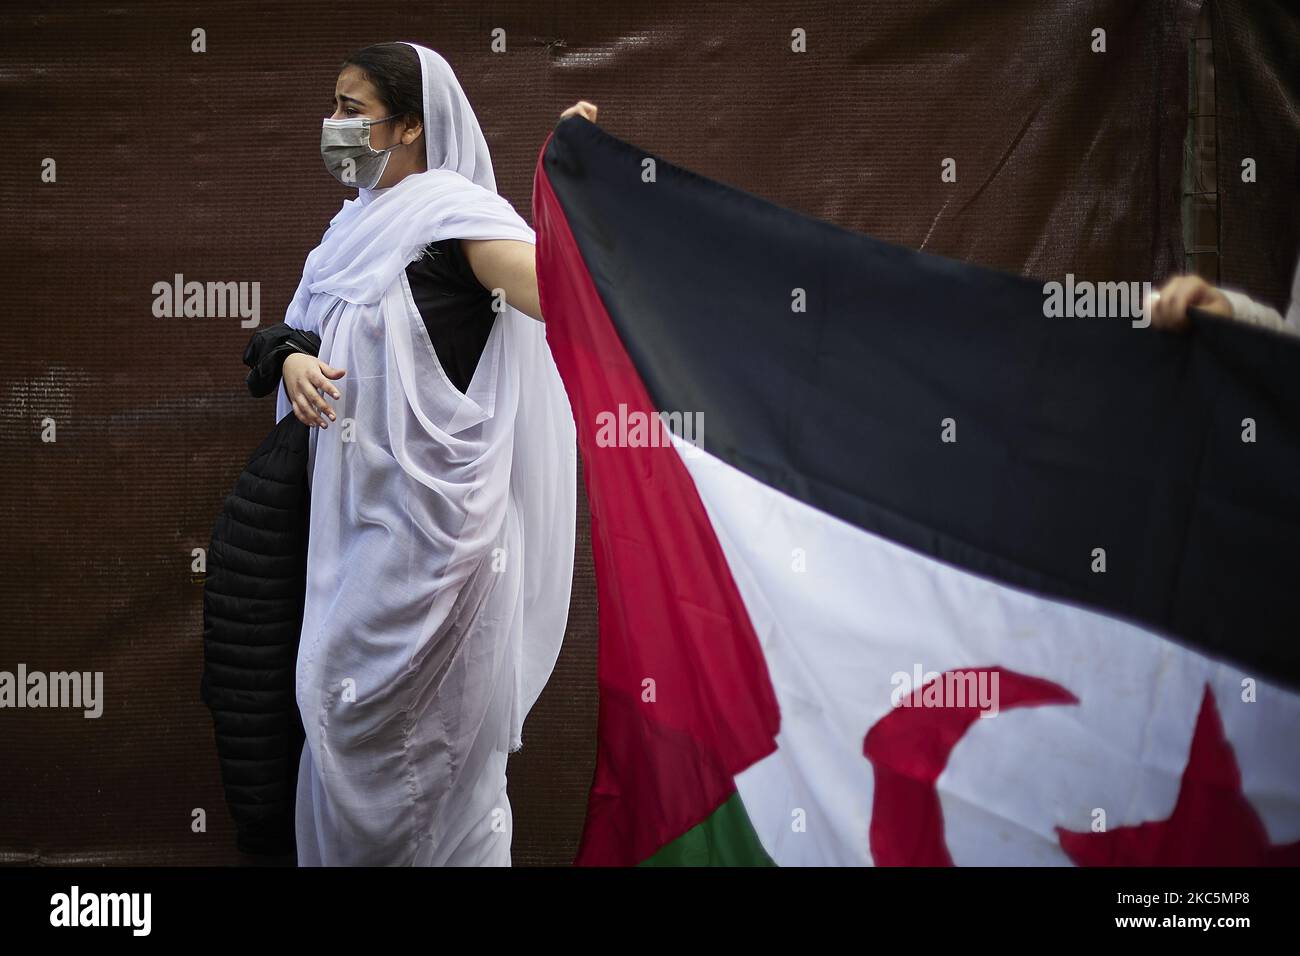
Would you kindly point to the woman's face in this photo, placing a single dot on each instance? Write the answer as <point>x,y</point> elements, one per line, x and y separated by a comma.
<point>355,97</point>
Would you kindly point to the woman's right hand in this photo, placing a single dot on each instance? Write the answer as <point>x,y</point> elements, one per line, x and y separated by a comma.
<point>305,377</point>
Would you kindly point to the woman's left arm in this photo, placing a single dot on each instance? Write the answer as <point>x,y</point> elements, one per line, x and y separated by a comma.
<point>510,264</point>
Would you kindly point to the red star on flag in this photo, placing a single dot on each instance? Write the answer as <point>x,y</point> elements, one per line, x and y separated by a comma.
<point>1213,824</point>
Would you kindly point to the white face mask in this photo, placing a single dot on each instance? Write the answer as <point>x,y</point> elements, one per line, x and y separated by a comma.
<point>345,147</point>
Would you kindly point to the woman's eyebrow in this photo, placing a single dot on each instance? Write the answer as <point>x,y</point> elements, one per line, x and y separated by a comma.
<point>353,99</point>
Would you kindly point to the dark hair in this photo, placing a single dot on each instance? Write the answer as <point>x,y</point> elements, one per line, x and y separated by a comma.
<point>394,69</point>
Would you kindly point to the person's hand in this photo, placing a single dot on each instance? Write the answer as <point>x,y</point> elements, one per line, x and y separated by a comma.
<point>305,377</point>
<point>581,108</point>
<point>1170,303</point>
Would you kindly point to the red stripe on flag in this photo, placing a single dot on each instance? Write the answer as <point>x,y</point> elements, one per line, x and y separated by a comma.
<point>669,611</point>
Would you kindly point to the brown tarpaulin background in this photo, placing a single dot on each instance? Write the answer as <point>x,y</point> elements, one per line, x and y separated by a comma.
<point>206,164</point>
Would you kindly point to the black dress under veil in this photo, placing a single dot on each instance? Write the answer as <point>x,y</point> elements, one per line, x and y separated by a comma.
<point>456,309</point>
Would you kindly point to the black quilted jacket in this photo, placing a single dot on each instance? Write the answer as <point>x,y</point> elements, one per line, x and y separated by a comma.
<point>252,616</point>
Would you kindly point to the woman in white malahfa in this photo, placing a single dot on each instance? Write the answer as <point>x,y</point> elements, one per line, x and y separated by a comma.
<point>441,538</point>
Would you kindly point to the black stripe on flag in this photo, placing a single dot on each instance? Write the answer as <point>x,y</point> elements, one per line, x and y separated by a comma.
<point>1072,434</point>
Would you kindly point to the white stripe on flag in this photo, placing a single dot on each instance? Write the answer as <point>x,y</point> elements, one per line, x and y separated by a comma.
<point>864,609</point>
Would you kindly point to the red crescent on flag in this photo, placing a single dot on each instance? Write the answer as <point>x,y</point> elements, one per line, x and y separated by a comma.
<point>908,749</point>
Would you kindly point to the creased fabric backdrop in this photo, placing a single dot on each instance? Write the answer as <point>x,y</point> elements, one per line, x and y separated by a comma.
<point>206,164</point>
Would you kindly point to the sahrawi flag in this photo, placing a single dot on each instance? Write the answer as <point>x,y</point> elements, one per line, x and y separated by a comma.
<point>923,577</point>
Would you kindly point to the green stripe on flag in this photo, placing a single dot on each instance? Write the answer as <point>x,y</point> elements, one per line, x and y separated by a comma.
<point>726,838</point>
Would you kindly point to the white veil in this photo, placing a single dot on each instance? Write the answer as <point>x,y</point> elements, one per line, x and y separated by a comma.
<point>455,142</point>
<point>441,545</point>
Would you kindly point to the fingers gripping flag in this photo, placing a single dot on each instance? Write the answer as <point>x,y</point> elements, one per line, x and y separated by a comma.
<point>913,574</point>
